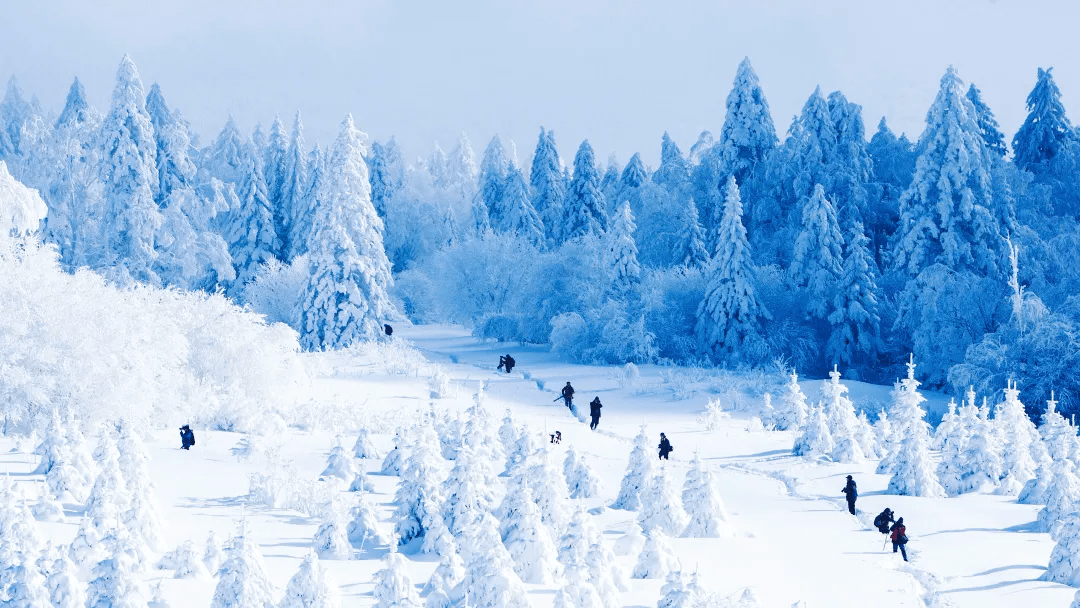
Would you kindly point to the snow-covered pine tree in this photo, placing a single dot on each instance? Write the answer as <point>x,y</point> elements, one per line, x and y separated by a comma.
<point>186,561</point>
<point>1017,433</point>
<point>656,559</point>
<point>580,477</point>
<point>1064,566</point>
<point>529,542</point>
<point>63,585</point>
<point>622,253</point>
<point>395,458</point>
<point>913,472</point>
<point>331,540</point>
<point>640,468</point>
<point>980,464</point>
<point>293,183</point>
<point>116,582</point>
<point>584,210</point>
<point>490,581</point>
<point>690,248</point>
<point>727,324</point>
<point>242,580</point>
<point>393,587</point>
<point>419,492</point>
<point>945,213</point>
<point>346,299</point>
<point>494,170</point>
<point>191,254</point>
<point>468,492</point>
<point>951,437</point>
<point>855,318</point>
<point>814,439</point>
<point>1062,494</point>
<point>519,215</point>
<point>546,184</point>
<point>554,501</point>
<point>129,166</point>
<point>577,591</point>
<point>791,414</point>
<point>301,229</point>
<point>250,233</point>
<point>842,420</point>
<point>364,527</point>
<point>386,168</point>
<point>748,134</point>
<point>817,261</point>
<point>273,159</point>
<point>1046,130</point>
<point>508,432</point>
<point>661,505</point>
<point>311,587</point>
<point>339,464</point>
<point>992,136</point>
<point>213,554</point>
<point>701,499</point>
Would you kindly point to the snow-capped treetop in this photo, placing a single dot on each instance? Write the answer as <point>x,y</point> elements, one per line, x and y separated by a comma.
<point>622,252</point>
<point>546,182</point>
<point>748,134</point>
<point>584,210</point>
<point>77,110</point>
<point>818,260</point>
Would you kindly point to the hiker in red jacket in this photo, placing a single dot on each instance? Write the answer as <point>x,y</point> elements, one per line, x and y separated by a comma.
<point>899,537</point>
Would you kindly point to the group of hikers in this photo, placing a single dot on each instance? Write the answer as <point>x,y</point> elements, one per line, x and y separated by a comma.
<point>885,522</point>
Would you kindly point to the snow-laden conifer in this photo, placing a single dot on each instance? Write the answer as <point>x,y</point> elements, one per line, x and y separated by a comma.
<point>520,217</point>
<point>727,318</point>
<point>641,467</point>
<point>818,255</point>
<point>814,439</point>
<point>1064,566</point>
<point>584,209</point>
<point>661,505</point>
<point>855,318</point>
<point>340,465</point>
<point>580,477</point>
<point>242,580</point>
<point>364,528</point>
<point>656,559</point>
<point>490,581</point>
<point>913,471</point>
<point>116,583</point>
<point>364,447</point>
<point>250,232</point>
<point>792,410</point>
<point>622,252</point>
<point>843,422</point>
<point>395,458</point>
<point>546,184</point>
<point>393,587</point>
<point>554,500</point>
<point>1018,434</point>
<point>419,492</point>
<point>346,299</point>
<point>331,540</point>
<point>311,587</point>
<point>63,585</point>
<point>529,542</point>
<point>130,177</point>
<point>701,499</point>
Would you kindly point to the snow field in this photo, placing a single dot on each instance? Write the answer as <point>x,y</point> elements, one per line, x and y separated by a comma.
<point>790,540</point>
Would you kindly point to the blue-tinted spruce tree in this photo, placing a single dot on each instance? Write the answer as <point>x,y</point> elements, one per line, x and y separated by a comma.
<point>546,184</point>
<point>817,257</point>
<point>855,340</point>
<point>945,214</point>
<point>728,318</point>
<point>346,299</point>
<point>518,216</point>
<point>294,179</point>
<point>585,210</point>
<point>300,227</point>
<point>129,166</point>
<point>988,125</point>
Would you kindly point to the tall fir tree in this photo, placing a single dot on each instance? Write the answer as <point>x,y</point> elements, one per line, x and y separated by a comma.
<point>251,236</point>
<point>273,157</point>
<point>690,250</point>
<point>992,136</point>
<point>546,184</point>
<point>494,171</point>
<point>585,210</point>
<point>518,215</point>
<point>130,175</point>
<point>346,298</point>
<point>294,178</point>
<point>728,316</point>
<point>386,168</point>
<point>945,213</point>
<point>818,253</point>
<point>622,254</point>
<point>855,316</point>
<point>301,228</point>
<point>748,134</point>
<point>1046,130</point>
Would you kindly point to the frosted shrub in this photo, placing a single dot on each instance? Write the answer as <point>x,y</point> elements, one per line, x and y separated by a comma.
<point>186,561</point>
<point>331,540</point>
<point>661,505</point>
<point>364,447</point>
<point>701,499</point>
<point>639,469</point>
<point>364,528</point>
<point>339,464</point>
<point>657,559</point>
<point>714,416</point>
<point>242,580</point>
<point>311,587</point>
<point>580,477</point>
<point>438,383</point>
<point>792,410</point>
<point>276,290</point>
<point>393,587</point>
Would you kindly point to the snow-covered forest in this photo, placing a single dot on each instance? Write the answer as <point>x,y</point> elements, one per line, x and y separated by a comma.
<point>829,245</point>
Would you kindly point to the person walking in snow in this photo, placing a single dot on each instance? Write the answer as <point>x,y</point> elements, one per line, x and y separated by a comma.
<point>851,493</point>
<point>899,537</point>
<point>665,447</point>
<point>594,411</point>
<point>387,329</point>
<point>187,437</point>
<point>568,396</point>
<point>882,521</point>
<point>509,362</point>
<point>502,363</point>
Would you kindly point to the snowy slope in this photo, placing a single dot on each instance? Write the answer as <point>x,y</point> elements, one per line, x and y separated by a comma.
<point>794,540</point>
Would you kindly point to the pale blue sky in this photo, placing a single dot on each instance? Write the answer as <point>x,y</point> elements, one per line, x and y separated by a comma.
<point>619,72</point>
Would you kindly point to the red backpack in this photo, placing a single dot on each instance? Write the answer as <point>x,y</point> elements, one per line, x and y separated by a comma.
<point>899,535</point>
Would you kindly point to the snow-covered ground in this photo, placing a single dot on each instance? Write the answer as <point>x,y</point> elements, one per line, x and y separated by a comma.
<point>793,537</point>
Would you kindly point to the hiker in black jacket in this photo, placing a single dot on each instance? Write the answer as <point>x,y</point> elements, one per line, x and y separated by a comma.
<point>852,494</point>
